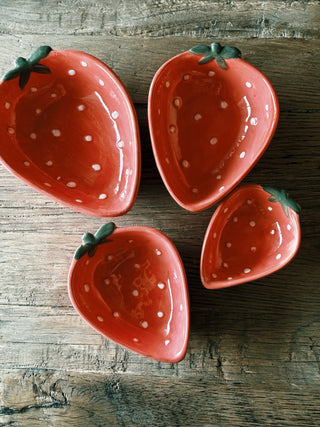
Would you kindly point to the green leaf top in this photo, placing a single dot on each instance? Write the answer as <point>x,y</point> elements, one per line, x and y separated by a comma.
<point>24,67</point>
<point>91,241</point>
<point>217,52</point>
<point>282,197</point>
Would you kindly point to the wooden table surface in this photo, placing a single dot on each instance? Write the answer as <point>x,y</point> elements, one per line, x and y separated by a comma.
<point>254,350</point>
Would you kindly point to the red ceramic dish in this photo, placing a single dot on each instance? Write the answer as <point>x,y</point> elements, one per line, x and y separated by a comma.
<point>210,122</point>
<point>69,130</point>
<point>129,284</point>
<point>254,232</point>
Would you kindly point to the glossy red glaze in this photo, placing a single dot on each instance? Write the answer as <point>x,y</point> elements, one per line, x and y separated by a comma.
<point>248,237</point>
<point>134,292</point>
<point>208,126</point>
<point>73,134</point>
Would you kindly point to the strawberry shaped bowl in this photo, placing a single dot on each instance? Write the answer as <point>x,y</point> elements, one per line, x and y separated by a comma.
<point>129,284</point>
<point>69,130</point>
<point>210,120</point>
<point>254,232</point>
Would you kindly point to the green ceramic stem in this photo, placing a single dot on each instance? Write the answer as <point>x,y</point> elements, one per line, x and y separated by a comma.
<point>215,52</point>
<point>90,241</point>
<point>282,197</point>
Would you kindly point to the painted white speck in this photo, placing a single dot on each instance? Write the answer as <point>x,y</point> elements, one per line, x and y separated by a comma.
<point>49,163</point>
<point>160,314</point>
<point>137,266</point>
<point>249,201</point>
<point>225,210</point>
<point>214,235</point>
<point>235,219</point>
<point>167,84</point>
<point>102,196</point>
<point>214,275</point>
<point>144,324</point>
<point>10,131</point>
<point>58,178</point>
<point>195,190</point>
<point>197,116</point>
<point>87,262</point>
<point>248,84</point>
<point>225,265</point>
<point>228,244</point>
<point>247,270</point>
<point>81,107</point>
<point>253,249</point>
<point>167,160</point>
<point>167,342</point>
<point>83,63</point>
<point>218,177</point>
<point>71,184</point>
<point>86,287</point>
<point>53,95</point>
<point>223,104</point>
<point>33,89</point>
<point>242,154</point>
<point>115,314</point>
<point>135,339</point>
<point>101,82</point>
<point>110,257</point>
<point>158,252</point>
<point>107,281</point>
<point>289,227</point>
<point>88,138</point>
<point>71,72</point>
<point>79,201</point>
<point>172,129</point>
<point>252,223</point>
<point>115,114</point>
<point>56,132</point>
<point>185,164</point>
<point>254,121</point>
<point>7,105</point>
<point>161,285</point>
<point>278,256</point>
<point>33,135</point>
<point>47,184</point>
<point>272,232</point>
<point>120,144</point>
<point>100,318</point>
<point>96,167</point>
<point>135,292</point>
<point>159,111</point>
<point>213,140</point>
<point>186,77</point>
<point>38,110</point>
<point>211,73</point>
<point>26,163</point>
<point>177,102</point>
<point>229,278</point>
<point>221,188</point>
<point>269,208</point>
<point>130,241</point>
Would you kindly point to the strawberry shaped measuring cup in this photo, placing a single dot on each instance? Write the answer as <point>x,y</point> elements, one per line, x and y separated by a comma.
<point>129,284</point>
<point>69,130</point>
<point>254,232</point>
<point>210,121</point>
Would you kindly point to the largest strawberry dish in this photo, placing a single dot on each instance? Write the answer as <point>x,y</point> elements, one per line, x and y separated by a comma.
<point>211,117</point>
<point>69,129</point>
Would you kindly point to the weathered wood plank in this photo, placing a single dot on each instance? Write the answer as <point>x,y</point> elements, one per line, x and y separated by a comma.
<point>200,18</point>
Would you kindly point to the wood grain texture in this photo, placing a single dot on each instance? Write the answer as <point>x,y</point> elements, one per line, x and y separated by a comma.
<point>254,351</point>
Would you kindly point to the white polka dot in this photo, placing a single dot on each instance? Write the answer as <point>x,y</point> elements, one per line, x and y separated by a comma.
<point>115,314</point>
<point>47,184</point>
<point>214,235</point>
<point>135,292</point>
<point>211,73</point>
<point>218,177</point>
<point>26,163</point>
<point>229,278</point>
<point>71,72</point>
<point>33,136</point>
<point>249,201</point>
<point>158,252</point>
<point>167,342</point>
<point>195,190</point>
<point>115,114</point>
<point>252,223</point>
<point>235,219</point>
<point>58,178</point>
<point>88,138</point>
<point>248,84</point>
<point>228,245</point>
<point>53,95</point>
<point>137,266</point>
<point>86,287</point>
<point>224,104</point>
<point>269,208</point>
<point>102,196</point>
<point>135,339</point>
<point>38,110</point>
<point>83,63</point>
<point>221,188</point>
<point>161,285</point>
<point>100,318</point>
<point>56,132</point>
<point>253,121</point>
<point>172,129</point>
<point>101,82</point>
<point>253,249</point>
<point>185,164</point>
<point>107,281</point>
<point>71,184</point>
<point>167,84</point>
<point>278,256</point>
<point>33,89</point>
<point>167,160</point>
<point>186,77</point>
<point>79,201</point>
<point>225,210</point>
<point>213,140</point>
<point>214,275</point>
<point>225,265</point>
<point>49,163</point>
<point>144,324</point>
<point>197,116</point>
<point>130,241</point>
<point>177,102</point>
<point>96,167</point>
<point>272,232</point>
<point>10,131</point>
<point>110,257</point>
<point>81,107</point>
<point>242,154</point>
<point>160,314</point>
<point>289,227</point>
<point>247,270</point>
<point>7,105</point>
<point>120,144</point>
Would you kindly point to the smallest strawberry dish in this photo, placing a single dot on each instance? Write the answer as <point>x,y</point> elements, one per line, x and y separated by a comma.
<point>254,232</point>
<point>129,284</point>
<point>69,130</point>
